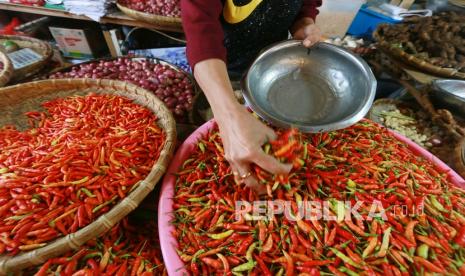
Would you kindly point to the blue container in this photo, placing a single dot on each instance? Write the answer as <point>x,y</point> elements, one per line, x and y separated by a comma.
<point>366,21</point>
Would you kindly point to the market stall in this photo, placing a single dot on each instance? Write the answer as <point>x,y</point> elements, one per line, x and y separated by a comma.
<point>115,159</point>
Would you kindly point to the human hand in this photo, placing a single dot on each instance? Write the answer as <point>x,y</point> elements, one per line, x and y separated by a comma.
<point>307,31</point>
<point>243,136</point>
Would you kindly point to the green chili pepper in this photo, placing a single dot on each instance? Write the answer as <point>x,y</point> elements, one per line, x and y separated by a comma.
<point>280,272</point>
<point>432,255</point>
<point>411,252</point>
<point>422,251</point>
<point>87,192</point>
<point>133,187</point>
<point>338,207</point>
<point>34,200</point>
<point>275,186</point>
<point>348,271</point>
<point>245,266</point>
<point>201,181</point>
<point>267,148</point>
<point>101,206</point>
<point>92,255</point>
<point>20,217</point>
<point>197,199</point>
<point>184,257</point>
<point>202,147</point>
<point>250,250</point>
<point>194,257</point>
<point>220,220</point>
<point>83,180</point>
<point>437,204</point>
<point>183,210</point>
<point>3,170</point>
<point>344,258</point>
<point>300,161</point>
<point>221,235</point>
<point>455,213</point>
<point>187,162</point>
<point>351,184</point>
<point>385,243</point>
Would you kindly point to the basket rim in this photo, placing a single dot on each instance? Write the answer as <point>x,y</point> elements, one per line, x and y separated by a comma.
<point>412,60</point>
<point>7,71</point>
<point>150,18</point>
<point>105,221</point>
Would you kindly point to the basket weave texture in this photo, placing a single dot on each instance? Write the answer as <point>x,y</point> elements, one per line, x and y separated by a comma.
<point>7,71</point>
<point>39,46</point>
<point>160,20</point>
<point>29,96</point>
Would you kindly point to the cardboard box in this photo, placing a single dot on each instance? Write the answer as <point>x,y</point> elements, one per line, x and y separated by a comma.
<point>77,43</point>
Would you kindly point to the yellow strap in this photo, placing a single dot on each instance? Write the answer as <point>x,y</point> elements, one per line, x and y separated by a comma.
<point>234,14</point>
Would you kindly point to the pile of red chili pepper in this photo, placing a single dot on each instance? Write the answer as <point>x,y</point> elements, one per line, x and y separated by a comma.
<point>77,159</point>
<point>363,163</point>
<point>129,248</point>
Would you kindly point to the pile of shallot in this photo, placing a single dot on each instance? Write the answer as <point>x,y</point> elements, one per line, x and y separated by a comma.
<point>172,87</point>
<point>170,8</point>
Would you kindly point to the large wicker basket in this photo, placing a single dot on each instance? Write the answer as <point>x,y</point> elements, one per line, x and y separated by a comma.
<point>25,97</point>
<point>424,65</point>
<point>172,22</point>
<point>459,158</point>
<point>7,71</point>
<point>39,46</point>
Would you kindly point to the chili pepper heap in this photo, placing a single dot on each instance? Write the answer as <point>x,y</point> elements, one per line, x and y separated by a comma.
<point>363,164</point>
<point>77,160</point>
<point>127,249</point>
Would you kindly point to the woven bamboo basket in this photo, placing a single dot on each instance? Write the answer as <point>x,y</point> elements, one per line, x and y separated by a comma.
<point>459,158</point>
<point>7,71</point>
<point>26,97</point>
<point>39,46</point>
<point>160,20</point>
<point>411,60</point>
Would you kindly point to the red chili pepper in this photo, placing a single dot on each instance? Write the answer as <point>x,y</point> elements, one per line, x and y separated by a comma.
<point>460,237</point>
<point>428,265</point>
<point>244,245</point>
<point>43,269</point>
<point>317,263</point>
<point>346,234</point>
<point>264,269</point>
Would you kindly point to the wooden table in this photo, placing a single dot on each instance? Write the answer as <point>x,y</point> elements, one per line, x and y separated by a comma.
<point>114,18</point>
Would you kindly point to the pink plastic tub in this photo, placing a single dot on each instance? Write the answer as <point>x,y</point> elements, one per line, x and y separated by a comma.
<point>174,264</point>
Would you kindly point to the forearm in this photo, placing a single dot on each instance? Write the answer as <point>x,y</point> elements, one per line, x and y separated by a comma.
<point>304,21</point>
<point>212,76</point>
<point>309,9</point>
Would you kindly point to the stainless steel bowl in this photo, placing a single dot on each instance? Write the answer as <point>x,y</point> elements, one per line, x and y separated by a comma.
<point>450,94</point>
<point>319,89</point>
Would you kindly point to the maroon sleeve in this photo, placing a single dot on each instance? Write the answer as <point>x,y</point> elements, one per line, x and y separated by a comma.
<point>202,26</point>
<point>309,9</point>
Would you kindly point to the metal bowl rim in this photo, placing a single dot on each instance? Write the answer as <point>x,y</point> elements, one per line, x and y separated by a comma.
<point>347,121</point>
<point>439,89</point>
